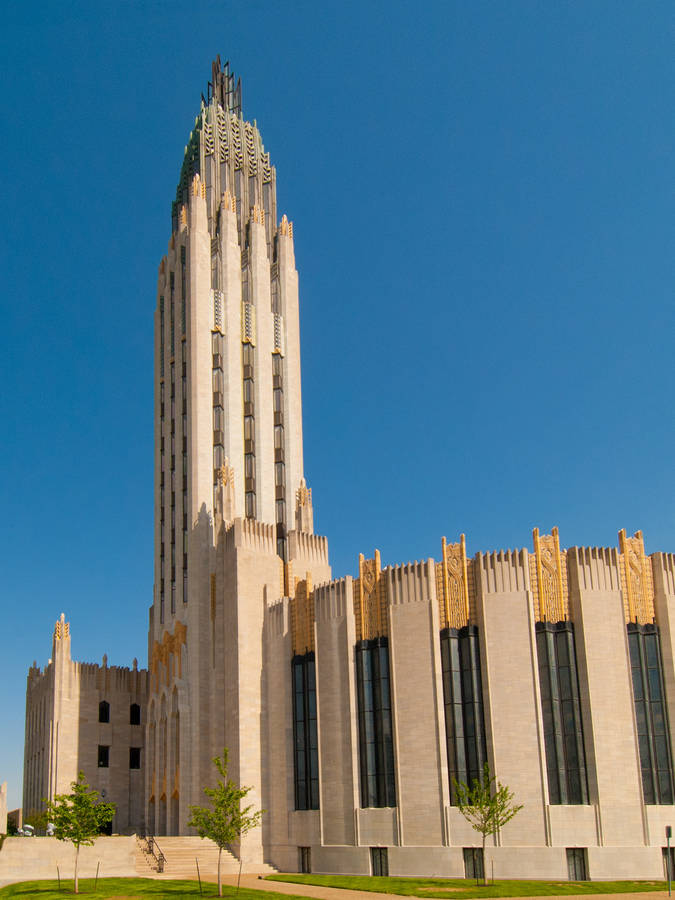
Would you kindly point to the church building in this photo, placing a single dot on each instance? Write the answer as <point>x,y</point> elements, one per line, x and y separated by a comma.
<point>352,706</point>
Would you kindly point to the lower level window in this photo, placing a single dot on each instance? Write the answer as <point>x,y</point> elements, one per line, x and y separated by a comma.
<point>577,869</point>
<point>305,859</point>
<point>379,861</point>
<point>473,863</point>
<point>103,756</point>
<point>134,757</point>
<point>668,863</point>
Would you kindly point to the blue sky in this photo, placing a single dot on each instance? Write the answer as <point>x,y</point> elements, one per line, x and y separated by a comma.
<point>482,195</point>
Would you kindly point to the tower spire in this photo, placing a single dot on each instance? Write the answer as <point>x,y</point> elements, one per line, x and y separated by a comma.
<point>222,87</point>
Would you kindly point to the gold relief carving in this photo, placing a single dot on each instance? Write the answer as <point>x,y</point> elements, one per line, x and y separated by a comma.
<point>258,214</point>
<point>61,628</point>
<point>167,654</point>
<point>637,580</point>
<point>302,617</point>
<point>304,494</point>
<point>548,578</point>
<point>286,227</point>
<point>229,201</point>
<point>370,599</point>
<point>183,215</point>
<point>454,585</point>
<point>225,475</point>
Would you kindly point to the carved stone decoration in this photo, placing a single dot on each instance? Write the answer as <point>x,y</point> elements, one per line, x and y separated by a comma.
<point>304,513</point>
<point>168,654</point>
<point>637,581</point>
<point>452,583</point>
<point>225,498</point>
<point>302,617</point>
<point>370,599</point>
<point>548,578</point>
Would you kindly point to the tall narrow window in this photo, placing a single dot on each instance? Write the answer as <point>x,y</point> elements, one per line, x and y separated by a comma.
<point>104,711</point>
<point>650,713</point>
<point>182,289</point>
<point>161,337</point>
<point>376,746</point>
<point>305,739</point>
<point>561,713</point>
<point>463,697</point>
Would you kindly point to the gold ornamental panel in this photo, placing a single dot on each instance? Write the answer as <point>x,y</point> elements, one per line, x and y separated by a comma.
<point>167,656</point>
<point>637,580</point>
<point>548,578</point>
<point>455,587</point>
<point>302,617</point>
<point>370,599</point>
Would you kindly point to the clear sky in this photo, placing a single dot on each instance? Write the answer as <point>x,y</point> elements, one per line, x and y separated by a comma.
<point>482,195</point>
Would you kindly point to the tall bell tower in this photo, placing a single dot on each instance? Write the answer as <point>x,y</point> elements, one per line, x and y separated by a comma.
<point>233,513</point>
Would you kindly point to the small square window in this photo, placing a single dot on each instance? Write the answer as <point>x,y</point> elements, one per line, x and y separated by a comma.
<point>103,756</point>
<point>134,757</point>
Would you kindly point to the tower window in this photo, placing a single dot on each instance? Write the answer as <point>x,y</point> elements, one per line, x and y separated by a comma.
<point>463,698</point>
<point>305,740</point>
<point>104,711</point>
<point>376,748</point>
<point>650,713</point>
<point>134,757</point>
<point>561,713</point>
<point>103,756</point>
<point>134,714</point>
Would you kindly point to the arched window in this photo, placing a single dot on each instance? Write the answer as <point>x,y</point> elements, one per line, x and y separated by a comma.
<point>134,714</point>
<point>104,711</point>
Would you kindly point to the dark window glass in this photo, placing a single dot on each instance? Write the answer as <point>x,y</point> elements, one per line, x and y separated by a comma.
<point>305,859</point>
<point>305,741</point>
<point>104,711</point>
<point>463,699</point>
<point>576,864</point>
<point>103,756</point>
<point>376,748</point>
<point>561,713</point>
<point>650,713</point>
<point>134,757</point>
<point>473,862</point>
<point>379,861</point>
<point>134,714</point>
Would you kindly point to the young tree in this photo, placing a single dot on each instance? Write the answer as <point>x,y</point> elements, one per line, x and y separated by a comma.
<point>487,805</point>
<point>225,820</point>
<point>78,817</point>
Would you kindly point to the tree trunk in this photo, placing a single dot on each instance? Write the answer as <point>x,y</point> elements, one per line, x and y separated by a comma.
<point>77,854</point>
<point>220,883</point>
<point>484,862</point>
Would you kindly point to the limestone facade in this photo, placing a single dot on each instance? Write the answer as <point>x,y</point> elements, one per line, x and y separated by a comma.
<point>350,706</point>
<point>616,829</point>
<point>89,718</point>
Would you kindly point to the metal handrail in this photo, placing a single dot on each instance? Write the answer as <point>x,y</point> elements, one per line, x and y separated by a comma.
<point>151,842</point>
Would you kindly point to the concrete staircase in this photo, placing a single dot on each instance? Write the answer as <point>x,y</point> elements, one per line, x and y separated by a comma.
<point>181,853</point>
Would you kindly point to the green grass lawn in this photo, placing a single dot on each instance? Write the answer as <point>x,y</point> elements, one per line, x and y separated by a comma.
<point>460,888</point>
<point>130,888</point>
